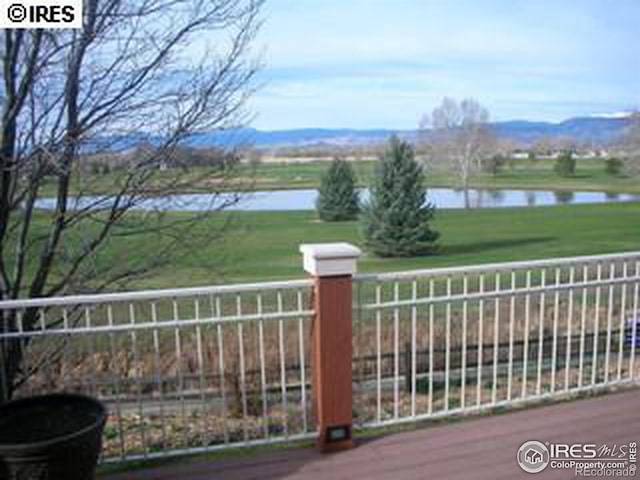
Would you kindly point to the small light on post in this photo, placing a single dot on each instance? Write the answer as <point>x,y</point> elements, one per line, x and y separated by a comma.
<point>332,266</point>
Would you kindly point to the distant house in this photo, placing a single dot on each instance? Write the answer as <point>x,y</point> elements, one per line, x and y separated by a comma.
<point>551,155</point>
<point>589,154</point>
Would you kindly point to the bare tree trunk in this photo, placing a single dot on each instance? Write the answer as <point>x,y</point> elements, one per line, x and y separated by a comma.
<point>461,137</point>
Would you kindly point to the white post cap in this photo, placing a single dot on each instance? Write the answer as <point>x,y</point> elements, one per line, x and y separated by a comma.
<point>330,259</point>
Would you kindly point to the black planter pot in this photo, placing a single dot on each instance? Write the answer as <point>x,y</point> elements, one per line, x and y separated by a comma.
<point>51,437</point>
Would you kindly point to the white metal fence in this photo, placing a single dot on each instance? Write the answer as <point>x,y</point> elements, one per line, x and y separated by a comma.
<point>181,371</point>
<point>456,340</point>
<point>190,370</point>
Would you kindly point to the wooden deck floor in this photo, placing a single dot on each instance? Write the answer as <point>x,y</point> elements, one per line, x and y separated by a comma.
<point>482,448</point>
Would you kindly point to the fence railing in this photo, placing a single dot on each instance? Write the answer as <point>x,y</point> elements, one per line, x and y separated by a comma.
<point>191,370</point>
<point>181,371</point>
<point>456,340</point>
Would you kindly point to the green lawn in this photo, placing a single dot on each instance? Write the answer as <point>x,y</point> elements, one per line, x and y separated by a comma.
<point>521,174</point>
<point>264,245</point>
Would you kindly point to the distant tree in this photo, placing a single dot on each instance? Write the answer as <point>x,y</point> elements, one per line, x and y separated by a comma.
<point>396,219</point>
<point>532,157</point>
<point>337,197</point>
<point>630,145</point>
<point>494,164</point>
<point>254,157</point>
<point>565,164</point>
<point>461,137</point>
<point>543,147</point>
<point>613,166</point>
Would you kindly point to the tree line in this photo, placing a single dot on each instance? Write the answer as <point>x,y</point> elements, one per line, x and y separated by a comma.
<point>396,219</point>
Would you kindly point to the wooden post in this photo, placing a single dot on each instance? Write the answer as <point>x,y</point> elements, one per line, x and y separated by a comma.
<point>332,266</point>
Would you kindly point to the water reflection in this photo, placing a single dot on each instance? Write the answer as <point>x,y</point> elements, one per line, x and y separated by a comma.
<point>531,198</point>
<point>564,198</point>
<point>305,199</point>
<point>612,196</point>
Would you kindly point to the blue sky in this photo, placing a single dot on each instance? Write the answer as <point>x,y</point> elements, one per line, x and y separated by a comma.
<point>383,63</point>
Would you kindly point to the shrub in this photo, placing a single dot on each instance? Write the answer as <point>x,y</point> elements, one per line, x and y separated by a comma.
<point>395,220</point>
<point>565,165</point>
<point>494,164</point>
<point>613,166</point>
<point>337,196</point>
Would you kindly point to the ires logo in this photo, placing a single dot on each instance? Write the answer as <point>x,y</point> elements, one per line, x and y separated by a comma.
<point>585,459</point>
<point>41,14</point>
<point>587,451</point>
<point>577,450</point>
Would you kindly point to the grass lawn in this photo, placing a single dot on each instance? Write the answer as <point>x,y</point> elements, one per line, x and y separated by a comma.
<point>519,174</point>
<point>264,245</point>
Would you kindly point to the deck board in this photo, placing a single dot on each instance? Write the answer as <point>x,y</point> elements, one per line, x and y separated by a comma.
<point>480,448</point>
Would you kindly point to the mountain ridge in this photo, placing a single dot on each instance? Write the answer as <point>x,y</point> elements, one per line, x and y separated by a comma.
<point>601,130</point>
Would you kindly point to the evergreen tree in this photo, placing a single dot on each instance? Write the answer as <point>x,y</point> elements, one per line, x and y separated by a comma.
<point>613,166</point>
<point>395,221</point>
<point>338,199</point>
<point>566,164</point>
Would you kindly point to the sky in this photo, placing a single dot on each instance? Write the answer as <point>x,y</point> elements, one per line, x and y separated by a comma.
<point>385,63</point>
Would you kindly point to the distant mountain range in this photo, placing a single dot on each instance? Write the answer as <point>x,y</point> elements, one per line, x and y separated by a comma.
<point>597,129</point>
<point>582,129</point>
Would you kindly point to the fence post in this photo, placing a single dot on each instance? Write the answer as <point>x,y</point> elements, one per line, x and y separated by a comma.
<point>332,266</point>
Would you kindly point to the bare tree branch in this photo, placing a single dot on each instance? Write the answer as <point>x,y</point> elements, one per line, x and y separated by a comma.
<point>460,138</point>
<point>160,70</point>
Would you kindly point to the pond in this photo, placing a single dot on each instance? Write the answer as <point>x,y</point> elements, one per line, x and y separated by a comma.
<point>281,200</point>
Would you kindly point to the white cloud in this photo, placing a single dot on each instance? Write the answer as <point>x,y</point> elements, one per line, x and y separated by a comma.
<point>377,63</point>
